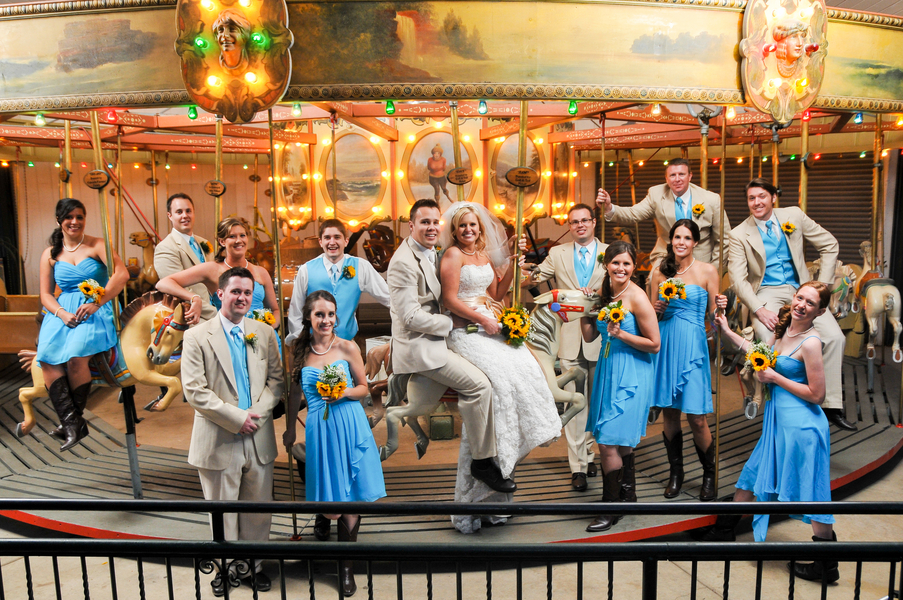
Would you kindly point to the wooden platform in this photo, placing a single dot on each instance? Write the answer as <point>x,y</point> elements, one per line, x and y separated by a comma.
<point>33,467</point>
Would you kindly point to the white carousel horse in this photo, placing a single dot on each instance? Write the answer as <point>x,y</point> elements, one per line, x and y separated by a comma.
<point>879,297</point>
<point>152,330</point>
<point>552,309</point>
<point>842,292</point>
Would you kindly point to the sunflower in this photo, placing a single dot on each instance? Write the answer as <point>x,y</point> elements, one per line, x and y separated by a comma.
<point>603,315</point>
<point>668,291</point>
<point>269,319</point>
<point>86,288</point>
<point>759,361</point>
<point>348,272</point>
<point>324,389</point>
<point>788,227</point>
<point>99,292</point>
<point>617,315</point>
<point>338,390</point>
<point>251,340</point>
<point>698,209</point>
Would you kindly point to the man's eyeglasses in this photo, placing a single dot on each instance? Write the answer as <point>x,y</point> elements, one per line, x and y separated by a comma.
<point>580,222</point>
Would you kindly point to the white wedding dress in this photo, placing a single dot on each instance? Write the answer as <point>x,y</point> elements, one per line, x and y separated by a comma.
<point>523,407</point>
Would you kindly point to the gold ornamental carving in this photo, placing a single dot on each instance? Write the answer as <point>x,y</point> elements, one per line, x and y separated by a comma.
<point>235,54</point>
<point>784,47</point>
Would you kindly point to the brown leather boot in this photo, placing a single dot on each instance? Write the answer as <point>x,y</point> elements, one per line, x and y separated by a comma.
<point>70,421</point>
<point>675,449</point>
<point>707,458</point>
<point>346,567</point>
<point>820,570</point>
<point>628,480</point>
<point>611,492</point>
<point>80,400</point>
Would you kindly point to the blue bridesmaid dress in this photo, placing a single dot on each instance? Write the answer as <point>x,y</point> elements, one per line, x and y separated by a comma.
<point>791,461</point>
<point>57,342</point>
<point>342,460</point>
<point>683,378</point>
<point>622,390</point>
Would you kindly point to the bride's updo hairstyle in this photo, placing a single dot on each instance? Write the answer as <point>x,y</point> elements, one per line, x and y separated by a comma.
<point>615,249</point>
<point>63,208</point>
<point>301,349</point>
<point>824,298</point>
<point>224,229</point>
<point>668,266</point>
<point>459,216</point>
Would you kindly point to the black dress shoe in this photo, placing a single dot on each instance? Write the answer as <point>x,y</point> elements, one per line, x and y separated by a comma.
<point>219,588</point>
<point>322,526</point>
<point>603,523</point>
<point>486,471</point>
<point>591,470</point>
<point>836,416</point>
<point>578,482</point>
<point>260,580</point>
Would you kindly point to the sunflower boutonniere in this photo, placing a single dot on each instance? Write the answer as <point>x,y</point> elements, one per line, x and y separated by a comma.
<point>348,272</point>
<point>251,340</point>
<point>788,227</point>
<point>601,258</point>
<point>698,210</point>
<point>205,247</point>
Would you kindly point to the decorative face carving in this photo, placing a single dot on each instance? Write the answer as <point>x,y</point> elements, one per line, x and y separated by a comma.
<point>232,30</point>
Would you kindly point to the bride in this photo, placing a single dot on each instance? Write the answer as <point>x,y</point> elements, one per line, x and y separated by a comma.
<point>475,275</point>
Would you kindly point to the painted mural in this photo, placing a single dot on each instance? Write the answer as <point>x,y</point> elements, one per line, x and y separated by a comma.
<point>504,158</point>
<point>360,185</point>
<point>427,162</point>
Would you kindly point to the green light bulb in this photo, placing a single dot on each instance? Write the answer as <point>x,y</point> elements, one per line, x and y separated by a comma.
<point>572,107</point>
<point>30,164</point>
<point>296,109</point>
<point>483,109</point>
<point>201,43</point>
<point>192,112</point>
<point>793,157</point>
<point>390,107</point>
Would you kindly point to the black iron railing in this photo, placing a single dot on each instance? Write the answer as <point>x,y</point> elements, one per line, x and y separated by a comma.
<point>428,570</point>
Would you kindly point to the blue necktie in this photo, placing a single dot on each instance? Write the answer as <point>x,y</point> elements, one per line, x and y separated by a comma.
<point>769,230</point>
<point>583,252</point>
<point>681,212</point>
<point>239,354</point>
<point>335,274</point>
<point>196,248</point>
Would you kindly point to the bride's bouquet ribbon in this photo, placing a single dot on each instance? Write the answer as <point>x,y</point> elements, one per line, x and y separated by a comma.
<point>475,302</point>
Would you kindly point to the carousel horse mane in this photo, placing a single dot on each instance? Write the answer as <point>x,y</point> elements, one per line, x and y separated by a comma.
<point>143,301</point>
<point>542,328</point>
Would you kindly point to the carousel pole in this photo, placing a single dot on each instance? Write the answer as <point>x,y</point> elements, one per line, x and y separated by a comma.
<point>876,196</point>
<point>154,188</point>
<point>774,162</point>
<point>67,155</point>
<point>104,210</point>
<point>256,209</point>
<point>120,225</point>
<point>333,121</point>
<point>602,175</point>
<point>752,155</point>
<point>636,226</point>
<point>62,164</point>
<point>804,167</point>
<point>277,257</point>
<point>519,214</point>
<point>453,105</point>
<point>218,169</point>
<point>760,159</point>
<point>704,155</point>
<point>718,348</point>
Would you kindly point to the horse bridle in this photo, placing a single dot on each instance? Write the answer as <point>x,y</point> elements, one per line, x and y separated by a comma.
<point>562,310</point>
<point>167,322</point>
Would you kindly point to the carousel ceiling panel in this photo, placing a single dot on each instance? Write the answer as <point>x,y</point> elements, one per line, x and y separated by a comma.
<point>885,7</point>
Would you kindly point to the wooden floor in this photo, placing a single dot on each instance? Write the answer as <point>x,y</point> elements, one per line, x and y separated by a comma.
<point>33,467</point>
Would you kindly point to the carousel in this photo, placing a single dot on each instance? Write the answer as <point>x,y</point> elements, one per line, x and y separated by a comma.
<point>288,114</point>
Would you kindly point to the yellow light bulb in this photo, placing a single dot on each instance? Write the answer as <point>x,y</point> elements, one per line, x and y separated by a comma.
<point>317,176</point>
<point>538,206</point>
<point>438,124</point>
<point>537,141</point>
<point>547,174</point>
<point>377,209</point>
<point>298,144</point>
<point>412,137</point>
<point>573,173</point>
<point>326,141</point>
<point>329,210</point>
<point>739,160</point>
<point>214,81</point>
<point>400,174</point>
<point>641,163</point>
<point>251,77</point>
<point>352,222</point>
<point>305,176</point>
<point>731,113</point>
<point>478,173</point>
<point>277,146</point>
<point>466,138</point>
<point>281,209</point>
<point>500,139</point>
<point>374,139</point>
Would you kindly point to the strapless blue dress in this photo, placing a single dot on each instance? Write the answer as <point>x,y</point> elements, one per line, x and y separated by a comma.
<point>342,460</point>
<point>683,377</point>
<point>622,390</point>
<point>792,460</point>
<point>57,342</point>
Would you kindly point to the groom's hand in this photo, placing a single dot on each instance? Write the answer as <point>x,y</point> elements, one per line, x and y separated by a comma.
<point>249,425</point>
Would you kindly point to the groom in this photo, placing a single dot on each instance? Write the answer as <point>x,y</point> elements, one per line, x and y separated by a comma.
<point>419,346</point>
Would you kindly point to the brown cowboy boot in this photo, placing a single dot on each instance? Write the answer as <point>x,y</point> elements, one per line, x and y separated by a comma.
<point>80,399</point>
<point>611,492</point>
<point>820,570</point>
<point>70,420</point>
<point>628,480</point>
<point>346,567</point>
<point>707,458</point>
<point>675,449</point>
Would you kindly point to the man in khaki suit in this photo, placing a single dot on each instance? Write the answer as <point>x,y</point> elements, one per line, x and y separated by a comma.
<point>767,264</point>
<point>668,203</point>
<point>182,249</point>
<point>232,376</point>
<point>562,263</point>
<point>419,332</point>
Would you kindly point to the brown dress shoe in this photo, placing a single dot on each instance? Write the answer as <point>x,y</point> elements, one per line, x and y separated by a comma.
<point>578,482</point>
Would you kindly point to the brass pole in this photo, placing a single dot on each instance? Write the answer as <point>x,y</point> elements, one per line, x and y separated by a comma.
<point>752,156</point>
<point>519,214</point>
<point>154,189</point>
<point>718,348</point>
<point>62,164</point>
<point>120,216</point>
<point>633,194</point>
<point>602,178</point>
<point>104,214</point>
<point>760,159</point>
<point>876,194</point>
<point>256,209</point>
<point>67,156</point>
<point>453,105</point>
<point>804,169</point>
<point>218,170</point>
<point>335,162</point>
<point>704,158</point>
<point>774,165</point>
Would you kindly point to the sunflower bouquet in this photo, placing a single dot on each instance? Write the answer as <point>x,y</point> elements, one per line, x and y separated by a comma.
<point>91,290</point>
<point>515,325</point>
<point>613,313</point>
<point>672,288</point>
<point>264,315</point>
<point>760,356</point>
<point>331,385</point>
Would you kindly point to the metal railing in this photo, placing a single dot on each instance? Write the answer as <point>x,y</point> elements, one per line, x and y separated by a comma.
<point>470,569</point>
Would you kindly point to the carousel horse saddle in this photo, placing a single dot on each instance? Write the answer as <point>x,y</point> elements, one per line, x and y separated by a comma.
<point>109,367</point>
<point>875,281</point>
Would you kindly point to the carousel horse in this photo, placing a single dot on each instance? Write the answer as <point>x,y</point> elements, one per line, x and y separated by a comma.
<point>380,247</point>
<point>879,297</point>
<point>152,330</point>
<point>552,309</point>
<point>148,277</point>
<point>378,358</point>
<point>842,292</point>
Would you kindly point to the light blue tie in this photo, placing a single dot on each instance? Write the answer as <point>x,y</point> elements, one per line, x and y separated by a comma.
<point>196,248</point>
<point>769,230</point>
<point>240,367</point>
<point>681,211</point>
<point>335,274</point>
<point>583,252</point>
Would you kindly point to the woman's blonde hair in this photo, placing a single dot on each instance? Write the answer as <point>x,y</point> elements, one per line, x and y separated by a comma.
<point>459,216</point>
<point>224,229</point>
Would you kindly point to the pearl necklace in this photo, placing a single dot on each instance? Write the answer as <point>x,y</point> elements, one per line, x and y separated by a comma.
<point>793,335</point>
<point>231,267</point>
<point>77,247</point>
<point>688,268</point>
<point>622,291</point>
<point>466,252</point>
<point>328,348</point>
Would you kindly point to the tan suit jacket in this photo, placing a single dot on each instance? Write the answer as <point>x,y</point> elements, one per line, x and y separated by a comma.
<point>747,253</point>
<point>419,328</point>
<point>173,255</point>
<point>209,383</point>
<point>560,265</point>
<point>659,204</point>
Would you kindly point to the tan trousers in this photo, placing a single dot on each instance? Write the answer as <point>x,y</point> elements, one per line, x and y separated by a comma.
<point>474,399</point>
<point>245,479</point>
<point>829,331</point>
<point>579,440</point>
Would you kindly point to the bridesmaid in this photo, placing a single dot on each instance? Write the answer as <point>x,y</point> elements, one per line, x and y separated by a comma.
<point>75,327</point>
<point>791,461</point>
<point>683,378</point>
<point>342,460</point>
<point>623,388</point>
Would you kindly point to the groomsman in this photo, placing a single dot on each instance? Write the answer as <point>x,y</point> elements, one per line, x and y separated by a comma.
<point>669,202</point>
<point>767,264</point>
<point>182,249</point>
<point>576,265</point>
<point>232,376</point>
<point>344,276</point>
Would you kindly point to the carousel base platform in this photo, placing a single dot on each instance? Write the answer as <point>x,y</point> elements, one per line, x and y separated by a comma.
<point>33,467</point>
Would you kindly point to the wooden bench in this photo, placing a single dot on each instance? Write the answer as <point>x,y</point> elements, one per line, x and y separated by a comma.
<point>18,328</point>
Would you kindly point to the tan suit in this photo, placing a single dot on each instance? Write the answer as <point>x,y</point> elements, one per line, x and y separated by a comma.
<point>233,466</point>
<point>659,204</point>
<point>174,255</point>
<point>574,352</point>
<point>419,331</point>
<point>746,265</point>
